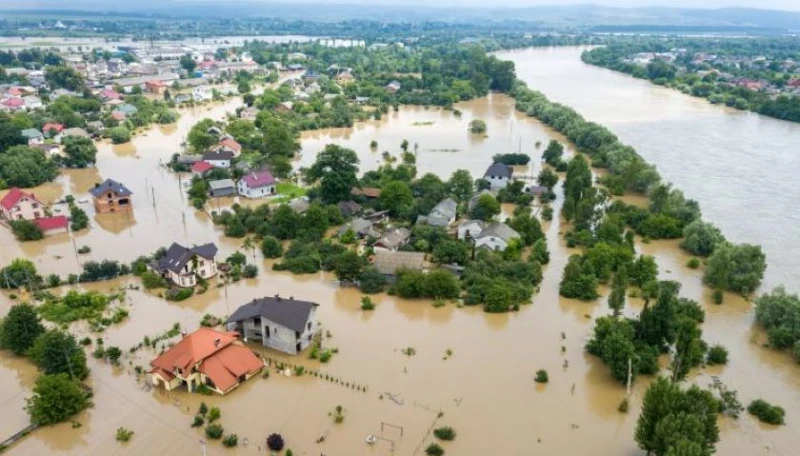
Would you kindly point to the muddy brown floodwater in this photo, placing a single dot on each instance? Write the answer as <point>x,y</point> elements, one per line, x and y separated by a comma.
<point>485,389</point>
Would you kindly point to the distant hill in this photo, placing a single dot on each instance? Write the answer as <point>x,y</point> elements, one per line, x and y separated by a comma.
<point>559,17</point>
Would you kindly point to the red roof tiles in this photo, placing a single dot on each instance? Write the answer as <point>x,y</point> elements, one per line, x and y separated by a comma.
<point>58,222</point>
<point>13,196</point>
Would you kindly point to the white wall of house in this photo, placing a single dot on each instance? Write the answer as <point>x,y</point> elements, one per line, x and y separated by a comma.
<point>258,192</point>
<point>186,278</point>
<point>491,243</point>
<point>279,337</point>
<point>220,163</point>
<point>472,229</point>
<point>25,209</point>
<point>37,140</point>
<point>496,182</point>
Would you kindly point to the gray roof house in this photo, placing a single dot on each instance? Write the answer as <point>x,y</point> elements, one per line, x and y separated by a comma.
<point>75,132</point>
<point>388,262</point>
<point>361,227</point>
<point>495,236</point>
<point>127,109</point>
<point>183,265</point>
<point>32,134</point>
<point>394,239</point>
<point>280,323</point>
<point>498,175</point>
<point>222,187</point>
<point>110,185</point>
<point>442,215</point>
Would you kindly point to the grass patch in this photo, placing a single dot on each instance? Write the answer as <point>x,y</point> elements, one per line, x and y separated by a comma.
<point>289,191</point>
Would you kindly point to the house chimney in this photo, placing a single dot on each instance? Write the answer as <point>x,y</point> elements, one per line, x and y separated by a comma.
<point>217,342</point>
<point>183,334</point>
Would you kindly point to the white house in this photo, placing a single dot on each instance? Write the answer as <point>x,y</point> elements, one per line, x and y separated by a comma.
<point>496,236</point>
<point>33,136</point>
<point>201,93</point>
<point>218,158</point>
<point>183,265</point>
<point>470,228</point>
<point>498,175</point>
<point>32,102</point>
<point>442,215</point>
<point>19,205</point>
<point>257,184</point>
<point>280,323</point>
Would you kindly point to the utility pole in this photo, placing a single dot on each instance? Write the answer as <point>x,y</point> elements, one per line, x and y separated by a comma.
<point>75,249</point>
<point>153,191</point>
<point>180,188</point>
<point>630,375</point>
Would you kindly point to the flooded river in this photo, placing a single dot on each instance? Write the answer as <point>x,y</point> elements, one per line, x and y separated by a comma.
<point>485,390</point>
<point>740,166</point>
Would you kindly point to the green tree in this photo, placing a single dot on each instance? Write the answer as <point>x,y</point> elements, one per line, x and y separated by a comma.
<point>553,153</point>
<point>55,399</point>
<point>313,223</point>
<point>616,300</point>
<point>396,197</point>
<point>80,151</point>
<point>278,138</point>
<point>485,208</point>
<point>64,77</point>
<point>527,226</point>
<point>461,185</point>
<point>547,178</point>
<point>23,166</point>
<point>348,266</point>
<point>371,281</point>
<point>440,284</point>
<point>57,352</point>
<point>26,230</point>
<point>670,414</point>
<point>79,218</point>
<point>20,328</point>
<point>738,268</point>
<point>285,222</point>
<point>188,63</point>
<point>477,126</point>
<point>271,247</point>
<point>119,135</point>
<point>451,251</point>
<point>576,282</point>
<point>20,273</point>
<point>700,238</point>
<point>779,313</point>
<point>336,168</point>
<point>199,139</point>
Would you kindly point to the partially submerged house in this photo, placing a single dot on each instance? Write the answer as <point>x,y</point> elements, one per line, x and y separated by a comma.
<point>349,208</point>
<point>393,239</point>
<point>53,225</point>
<point>183,266</point>
<point>498,175</point>
<point>111,196</point>
<point>257,184</point>
<point>222,187</point>
<point>219,158</point>
<point>388,262</point>
<point>362,228</point>
<point>214,359</point>
<point>442,215</point>
<point>494,236</point>
<point>20,205</point>
<point>280,323</point>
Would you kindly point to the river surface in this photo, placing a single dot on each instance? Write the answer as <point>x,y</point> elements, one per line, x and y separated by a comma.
<point>485,389</point>
<point>742,167</point>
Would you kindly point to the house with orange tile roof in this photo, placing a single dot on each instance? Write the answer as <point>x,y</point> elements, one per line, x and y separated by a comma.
<point>20,205</point>
<point>205,358</point>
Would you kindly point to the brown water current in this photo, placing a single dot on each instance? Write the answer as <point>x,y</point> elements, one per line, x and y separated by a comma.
<point>485,389</point>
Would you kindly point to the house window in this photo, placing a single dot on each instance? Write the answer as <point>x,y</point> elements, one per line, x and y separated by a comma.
<point>257,321</point>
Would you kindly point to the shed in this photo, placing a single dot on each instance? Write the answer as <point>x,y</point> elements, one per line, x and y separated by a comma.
<point>389,262</point>
<point>222,187</point>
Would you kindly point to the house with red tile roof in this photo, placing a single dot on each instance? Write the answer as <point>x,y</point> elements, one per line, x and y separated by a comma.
<point>205,358</point>
<point>201,168</point>
<point>119,116</point>
<point>257,184</point>
<point>229,144</point>
<point>53,130</point>
<point>12,104</point>
<point>20,205</point>
<point>53,225</point>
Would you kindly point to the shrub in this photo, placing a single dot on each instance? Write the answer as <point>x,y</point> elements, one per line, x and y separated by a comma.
<point>325,356</point>
<point>434,450</point>
<point>366,303</point>
<point>119,135</point>
<point>623,406</point>
<point>693,263</point>
<point>55,398</point>
<point>198,421</point>
<point>151,279</point>
<point>371,281</point>
<point>766,412</point>
<point>124,435</point>
<point>250,271</point>
<point>179,294</point>
<point>275,442</point>
<point>445,433</point>
<point>717,296</point>
<point>214,414</point>
<point>541,376</point>
<point>203,409</point>
<point>25,230</point>
<point>717,354</point>
<point>230,440</point>
<point>214,431</point>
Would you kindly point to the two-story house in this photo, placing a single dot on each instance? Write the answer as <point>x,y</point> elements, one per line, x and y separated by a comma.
<point>20,205</point>
<point>111,196</point>
<point>214,359</point>
<point>219,158</point>
<point>283,324</point>
<point>182,266</point>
